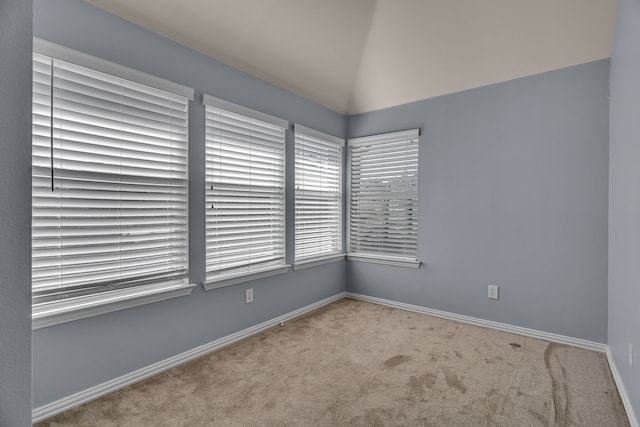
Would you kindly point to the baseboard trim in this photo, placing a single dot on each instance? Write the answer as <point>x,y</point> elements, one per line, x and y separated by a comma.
<point>66,403</point>
<point>61,405</point>
<point>562,339</point>
<point>626,400</point>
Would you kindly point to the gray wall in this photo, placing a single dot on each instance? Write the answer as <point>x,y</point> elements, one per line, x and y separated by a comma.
<point>15,212</point>
<point>624,191</point>
<point>513,192</point>
<point>71,357</point>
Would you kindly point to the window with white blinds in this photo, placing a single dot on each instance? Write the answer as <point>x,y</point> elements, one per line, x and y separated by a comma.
<point>318,195</point>
<point>245,193</point>
<point>109,185</point>
<point>383,216</point>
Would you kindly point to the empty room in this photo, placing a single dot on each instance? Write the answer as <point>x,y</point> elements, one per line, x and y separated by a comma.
<point>319,213</point>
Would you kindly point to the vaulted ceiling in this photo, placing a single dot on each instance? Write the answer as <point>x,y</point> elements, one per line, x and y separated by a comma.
<point>354,56</point>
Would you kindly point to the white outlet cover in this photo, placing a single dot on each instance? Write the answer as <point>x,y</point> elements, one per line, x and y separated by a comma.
<point>248,295</point>
<point>493,292</point>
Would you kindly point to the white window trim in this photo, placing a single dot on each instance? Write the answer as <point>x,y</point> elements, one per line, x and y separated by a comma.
<point>385,137</point>
<point>63,311</point>
<point>239,277</point>
<point>302,263</point>
<point>314,261</point>
<point>223,280</point>
<point>381,258</point>
<point>320,135</point>
<point>245,111</point>
<point>67,310</point>
<point>386,260</point>
<point>76,57</point>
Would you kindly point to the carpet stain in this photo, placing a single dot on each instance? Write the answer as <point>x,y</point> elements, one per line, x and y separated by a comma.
<point>493,360</point>
<point>453,381</point>
<point>457,353</point>
<point>373,418</point>
<point>367,386</point>
<point>271,403</point>
<point>538,416</point>
<point>558,388</point>
<point>429,379</point>
<point>514,345</point>
<point>396,360</point>
<point>491,392</point>
<point>417,384</point>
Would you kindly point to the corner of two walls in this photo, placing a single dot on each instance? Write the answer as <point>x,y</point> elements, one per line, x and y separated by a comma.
<point>624,200</point>
<point>512,192</point>
<point>15,210</point>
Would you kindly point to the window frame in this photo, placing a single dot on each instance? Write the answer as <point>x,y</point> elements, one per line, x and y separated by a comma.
<point>413,136</point>
<point>238,275</point>
<point>319,138</point>
<point>48,313</point>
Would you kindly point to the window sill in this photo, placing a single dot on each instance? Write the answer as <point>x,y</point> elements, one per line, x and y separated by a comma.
<point>312,262</point>
<point>397,262</point>
<point>63,311</point>
<point>235,278</point>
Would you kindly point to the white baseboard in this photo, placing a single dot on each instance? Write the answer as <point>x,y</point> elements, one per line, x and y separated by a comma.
<point>562,339</point>
<point>626,400</point>
<point>61,405</point>
<point>53,408</point>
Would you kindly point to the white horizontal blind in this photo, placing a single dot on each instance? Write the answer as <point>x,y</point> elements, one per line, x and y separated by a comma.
<point>245,193</point>
<point>384,194</point>
<point>318,194</point>
<point>109,183</point>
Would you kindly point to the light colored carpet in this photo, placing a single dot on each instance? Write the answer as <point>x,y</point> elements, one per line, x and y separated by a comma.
<point>361,364</point>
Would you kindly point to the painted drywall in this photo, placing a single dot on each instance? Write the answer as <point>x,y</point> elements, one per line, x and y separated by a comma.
<point>624,198</point>
<point>513,192</point>
<point>71,357</point>
<point>15,213</point>
<point>420,49</point>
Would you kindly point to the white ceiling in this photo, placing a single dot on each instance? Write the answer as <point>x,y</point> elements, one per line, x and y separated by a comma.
<point>354,56</point>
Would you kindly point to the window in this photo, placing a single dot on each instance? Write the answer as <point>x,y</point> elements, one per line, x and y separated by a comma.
<point>245,194</point>
<point>109,186</point>
<point>383,222</point>
<point>318,196</point>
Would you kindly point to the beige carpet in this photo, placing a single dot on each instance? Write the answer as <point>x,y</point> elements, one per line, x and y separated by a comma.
<point>361,364</point>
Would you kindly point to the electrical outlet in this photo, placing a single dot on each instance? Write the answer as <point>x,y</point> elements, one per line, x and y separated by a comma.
<point>630,354</point>
<point>248,295</point>
<point>493,291</point>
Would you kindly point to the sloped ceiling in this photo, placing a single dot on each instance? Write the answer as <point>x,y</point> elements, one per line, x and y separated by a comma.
<point>354,56</point>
